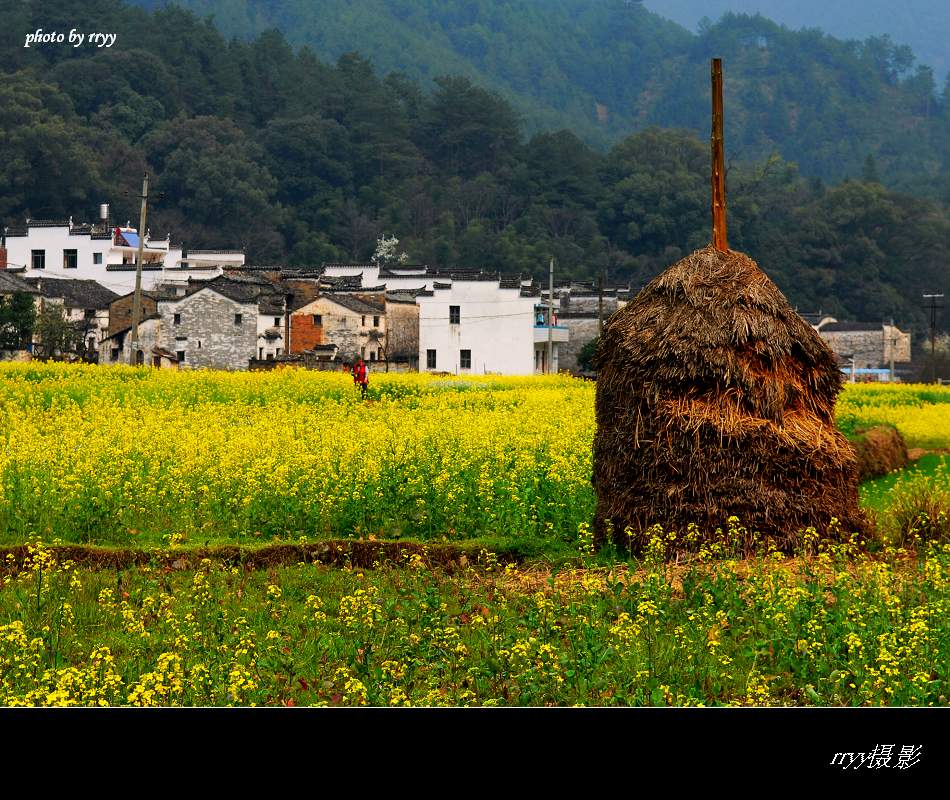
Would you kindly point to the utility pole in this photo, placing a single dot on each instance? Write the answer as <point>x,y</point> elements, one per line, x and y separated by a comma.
<point>137,299</point>
<point>718,161</point>
<point>551,317</point>
<point>600,303</point>
<point>893,345</point>
<point>933,298</point>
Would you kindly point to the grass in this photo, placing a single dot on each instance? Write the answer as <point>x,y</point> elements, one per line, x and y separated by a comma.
<point>829,627</point>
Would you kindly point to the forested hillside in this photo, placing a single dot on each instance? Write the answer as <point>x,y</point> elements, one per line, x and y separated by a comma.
<point>606,68</point>
<point>922,25</point>
<point>258,144</point>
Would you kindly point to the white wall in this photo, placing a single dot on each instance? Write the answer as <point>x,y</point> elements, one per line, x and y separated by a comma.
<point>496,324</point>
<point>53,240</point>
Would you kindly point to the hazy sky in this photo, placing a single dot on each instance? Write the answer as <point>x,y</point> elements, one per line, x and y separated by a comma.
<point>922,24</point>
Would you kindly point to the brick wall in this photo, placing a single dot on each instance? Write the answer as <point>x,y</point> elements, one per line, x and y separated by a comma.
<point>304,334</point>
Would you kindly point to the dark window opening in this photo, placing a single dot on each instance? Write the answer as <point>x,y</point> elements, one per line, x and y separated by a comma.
<point>97,258</point>
<point>39,259</point>
<point>178,319</point>
<point>455,315</point>
<point>318,319</point>
<point>430,359</point>
<point>375,322</point>
<point>465,359</point>
<point>181,356</point>
<point>237,319</point>
<point>276,322</point>
<point>372,355</point>
<point>70,259</point>
<point>363,320</point>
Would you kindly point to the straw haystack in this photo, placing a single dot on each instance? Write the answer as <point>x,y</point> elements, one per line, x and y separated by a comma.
<point>714,399</point>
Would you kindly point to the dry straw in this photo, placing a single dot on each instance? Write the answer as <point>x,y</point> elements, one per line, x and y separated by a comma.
<point>715,399</point>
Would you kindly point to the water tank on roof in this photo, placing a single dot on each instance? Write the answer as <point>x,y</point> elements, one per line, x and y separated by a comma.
<point>104,212</point>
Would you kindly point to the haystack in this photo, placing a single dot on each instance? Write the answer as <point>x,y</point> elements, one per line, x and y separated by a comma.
<point>715,399</point>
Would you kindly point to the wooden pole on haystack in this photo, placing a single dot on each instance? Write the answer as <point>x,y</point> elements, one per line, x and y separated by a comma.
<point>718,162</point>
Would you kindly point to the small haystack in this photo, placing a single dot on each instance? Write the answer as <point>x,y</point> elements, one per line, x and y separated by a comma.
<point>714,399</point>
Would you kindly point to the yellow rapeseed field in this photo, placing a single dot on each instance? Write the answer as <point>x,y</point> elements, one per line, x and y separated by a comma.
<point>125,455</point>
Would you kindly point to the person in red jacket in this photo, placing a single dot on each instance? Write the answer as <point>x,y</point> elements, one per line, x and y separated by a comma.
<point>360,377</point>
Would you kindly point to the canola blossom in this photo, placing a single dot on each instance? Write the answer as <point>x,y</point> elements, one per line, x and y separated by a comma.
<point>125,456</point>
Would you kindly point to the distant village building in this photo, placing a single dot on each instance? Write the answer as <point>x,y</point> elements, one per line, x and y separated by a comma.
<point>476,324</point>
<point>85,305</point>
<point>355,325</point>
<point>10,287</point>
<point>578,307</point>
<point>216,324</point>
<point>106,253</point>
<point>868,345</point>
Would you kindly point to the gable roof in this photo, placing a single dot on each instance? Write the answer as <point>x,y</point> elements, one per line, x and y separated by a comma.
<point>12,283</point>
<point>852,326</point>
<point>75,292</point>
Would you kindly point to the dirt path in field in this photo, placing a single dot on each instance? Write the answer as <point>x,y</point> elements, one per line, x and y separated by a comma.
<point>361,554</point>
<point>448,559</point>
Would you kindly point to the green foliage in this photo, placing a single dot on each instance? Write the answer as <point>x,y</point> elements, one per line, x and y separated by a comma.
<point>585,359</point>
<point>17,318</point>
<point>56,337</point>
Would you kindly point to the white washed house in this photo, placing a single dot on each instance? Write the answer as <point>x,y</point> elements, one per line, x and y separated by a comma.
<point>106,254</point>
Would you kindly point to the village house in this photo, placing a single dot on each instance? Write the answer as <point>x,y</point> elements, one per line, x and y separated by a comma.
<point>478,323</point>
<point>85,304</point>
<point>866,345</point>
<point>106,253</point>
<point>213,325</point>
<point>356,325</point>
<point>578,308</point>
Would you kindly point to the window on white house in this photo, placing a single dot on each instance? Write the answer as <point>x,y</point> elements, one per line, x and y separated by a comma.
<point>430,359</point>
<point>97,258</point>
<point>276,322</point>
<point>465,359</point>
<point>70,259</point>
<point>184,265</point>
<point>260,353</point>
<point>181,356</point>
<point>363,320</point>
<point>375,322</point>
<point>237,319</point>
<point>362,352</point>
<point>372,355</point>
<point>318,319</point>
<point>178,319</point>
<point>278,351</point>
<point>455,315</point>
<point>38,261</point>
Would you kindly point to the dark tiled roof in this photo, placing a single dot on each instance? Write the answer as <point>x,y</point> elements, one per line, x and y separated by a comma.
<point>354,303</point>
<point>75,292</point>
<point>402,297</point>
<point>148,266</point>
<point>852,326</point>
<point>530,291</point>
<point>12,283</point>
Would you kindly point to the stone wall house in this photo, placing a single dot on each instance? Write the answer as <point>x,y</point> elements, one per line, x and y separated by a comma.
<point>869,344</point>
<point>115,348</point>
<point>214,327</point>
<point>356,325</point>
